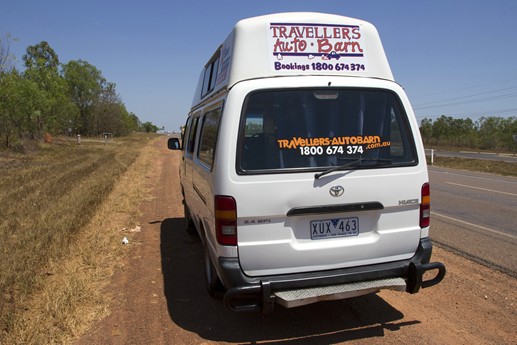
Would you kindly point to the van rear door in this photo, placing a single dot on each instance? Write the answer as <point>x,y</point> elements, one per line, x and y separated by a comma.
<point>328,178</point>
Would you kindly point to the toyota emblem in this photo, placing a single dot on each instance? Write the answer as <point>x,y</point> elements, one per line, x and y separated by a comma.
<point>336,191</point>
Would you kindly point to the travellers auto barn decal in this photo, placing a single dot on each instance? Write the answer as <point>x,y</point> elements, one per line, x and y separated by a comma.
<point>316,47</point>
<point>334,145</point>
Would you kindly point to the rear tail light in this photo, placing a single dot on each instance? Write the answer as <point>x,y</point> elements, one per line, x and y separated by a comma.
<point>425,206</point>
<point>226,220</point>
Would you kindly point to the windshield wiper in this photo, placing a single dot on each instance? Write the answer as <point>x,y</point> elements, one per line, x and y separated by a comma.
<point>354,162</point>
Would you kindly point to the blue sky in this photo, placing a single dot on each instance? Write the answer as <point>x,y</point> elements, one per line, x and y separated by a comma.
<point>454,58</point>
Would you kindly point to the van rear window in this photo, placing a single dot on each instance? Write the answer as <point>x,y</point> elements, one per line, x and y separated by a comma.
<point>322,128</point>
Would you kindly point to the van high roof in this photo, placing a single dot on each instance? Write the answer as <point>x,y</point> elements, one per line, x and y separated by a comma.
<point>299,43</point>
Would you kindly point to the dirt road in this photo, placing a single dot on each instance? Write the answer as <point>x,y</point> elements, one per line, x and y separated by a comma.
<point>160,298</point>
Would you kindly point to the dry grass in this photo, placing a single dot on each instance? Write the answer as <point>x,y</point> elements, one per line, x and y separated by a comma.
<point>486,166</point>
<point>62,209</point>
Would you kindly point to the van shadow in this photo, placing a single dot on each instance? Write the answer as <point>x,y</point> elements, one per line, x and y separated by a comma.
<point>191,307</point>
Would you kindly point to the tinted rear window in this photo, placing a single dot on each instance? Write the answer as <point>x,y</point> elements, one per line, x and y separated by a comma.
<point>321,128</point>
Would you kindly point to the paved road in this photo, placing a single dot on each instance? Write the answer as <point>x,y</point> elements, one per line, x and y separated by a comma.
<point>476,215</point>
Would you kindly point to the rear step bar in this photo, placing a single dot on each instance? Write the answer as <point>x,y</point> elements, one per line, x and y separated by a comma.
<point>296,298</point>
<point>261,298</point>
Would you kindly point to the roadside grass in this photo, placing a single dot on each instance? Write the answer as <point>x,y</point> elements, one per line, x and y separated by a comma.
<point>62,210</point>
<point>485,166</point>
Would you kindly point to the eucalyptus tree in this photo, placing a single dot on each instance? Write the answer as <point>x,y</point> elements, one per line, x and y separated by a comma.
<point>42,67</point>
<point>20,104</point>
<point>85,84</point>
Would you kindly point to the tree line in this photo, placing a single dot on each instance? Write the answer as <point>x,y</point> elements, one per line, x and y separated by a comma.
<point>58,99</point>
<point>487,133</point>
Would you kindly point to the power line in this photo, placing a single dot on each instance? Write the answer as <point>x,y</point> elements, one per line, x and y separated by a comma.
<point>486,99</point>
<point>424,105</point>
<point>466,88</point>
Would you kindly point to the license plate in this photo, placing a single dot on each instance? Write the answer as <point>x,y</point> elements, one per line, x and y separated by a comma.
<point>338,227</point>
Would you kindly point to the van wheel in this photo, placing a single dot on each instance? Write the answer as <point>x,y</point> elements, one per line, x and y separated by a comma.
<point>213,283</point>
<point>190,227</point>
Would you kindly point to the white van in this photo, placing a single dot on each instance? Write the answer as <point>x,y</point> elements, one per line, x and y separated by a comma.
<point>304,172</point>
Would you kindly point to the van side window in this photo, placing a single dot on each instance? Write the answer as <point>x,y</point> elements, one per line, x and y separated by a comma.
<point>206,80</point>
<point>208,137</point>
<point>213,77</point>
<point>210,75</point>
<point>184,132</point>
<point>192,137</point>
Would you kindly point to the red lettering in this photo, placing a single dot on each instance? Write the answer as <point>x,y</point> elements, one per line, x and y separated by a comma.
<point>282,29</point>
<point>295,46</point>
<point>324,46</point>
<point>357,34</point>
<point>301,45</point>
<point>278,47</point>
<point>309,32</point>
<point>346,33</point>
<point>356,45</point>
<point>296,32</point>
<point>341,47</point>
<point>316,33</point>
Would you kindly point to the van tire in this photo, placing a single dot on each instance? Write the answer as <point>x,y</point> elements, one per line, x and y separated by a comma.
<point>190,227</point>
<point>213,284</point>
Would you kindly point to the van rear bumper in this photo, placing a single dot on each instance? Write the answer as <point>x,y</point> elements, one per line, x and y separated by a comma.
<point>257,293</point>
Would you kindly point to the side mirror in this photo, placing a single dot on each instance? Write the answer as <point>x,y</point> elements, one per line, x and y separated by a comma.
<point>173,144</point>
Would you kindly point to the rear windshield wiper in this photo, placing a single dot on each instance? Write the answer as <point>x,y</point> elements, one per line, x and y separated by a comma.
<point>354,162</point>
